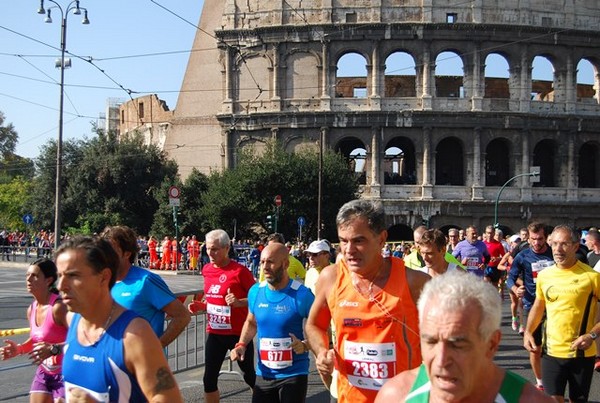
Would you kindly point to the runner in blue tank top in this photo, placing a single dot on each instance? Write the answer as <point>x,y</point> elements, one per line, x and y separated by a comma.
<point>277,309</point>
<point>111,354</point>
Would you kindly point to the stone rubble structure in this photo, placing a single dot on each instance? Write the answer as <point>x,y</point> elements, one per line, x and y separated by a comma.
<point>434,149</point>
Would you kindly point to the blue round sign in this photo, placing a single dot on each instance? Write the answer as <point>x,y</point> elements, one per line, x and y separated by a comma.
<point>27,219</point>
<point>301,221</point>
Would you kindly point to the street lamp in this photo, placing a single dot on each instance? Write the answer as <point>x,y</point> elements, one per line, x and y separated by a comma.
<point>532,174</point>
<point>61,64</point>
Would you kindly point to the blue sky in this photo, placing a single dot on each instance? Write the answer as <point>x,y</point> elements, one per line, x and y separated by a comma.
<point>118,32</point>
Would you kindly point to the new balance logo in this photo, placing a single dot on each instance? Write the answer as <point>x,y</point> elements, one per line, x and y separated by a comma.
<point>214,289</point>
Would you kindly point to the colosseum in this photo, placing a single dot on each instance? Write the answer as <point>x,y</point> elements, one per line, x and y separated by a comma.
<point>361,77</point>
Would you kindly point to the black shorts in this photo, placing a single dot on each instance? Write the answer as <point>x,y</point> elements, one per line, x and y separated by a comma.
<point>493,274</point>
<point>576,372</point>
<point>215,349</point>
<point>538,332</point>
<point>283,390</point>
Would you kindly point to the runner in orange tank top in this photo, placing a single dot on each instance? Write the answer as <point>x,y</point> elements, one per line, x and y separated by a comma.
<point>372,303</point>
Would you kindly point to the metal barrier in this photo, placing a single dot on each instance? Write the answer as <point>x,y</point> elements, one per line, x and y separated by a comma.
<point>187,351</point>
<point>24,253</point>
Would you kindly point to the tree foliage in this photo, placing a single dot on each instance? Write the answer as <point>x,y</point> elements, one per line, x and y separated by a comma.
<point>106,181</point>
<point>189,219</point>
<point>14,203</point>
<point>8,138</point>
<point>246,193</point>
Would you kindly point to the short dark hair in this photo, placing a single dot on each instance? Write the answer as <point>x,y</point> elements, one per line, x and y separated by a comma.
<point>536,227</point>
<point>276,237</point>
<point>99,254</point>
<point>433,237</point>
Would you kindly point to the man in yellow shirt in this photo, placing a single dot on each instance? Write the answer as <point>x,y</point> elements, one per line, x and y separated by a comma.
<point>295,270</point>
<point>568,292</point>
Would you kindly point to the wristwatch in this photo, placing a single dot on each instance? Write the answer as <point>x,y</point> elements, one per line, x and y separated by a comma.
<point>55,349</point>
<point>593,335</point>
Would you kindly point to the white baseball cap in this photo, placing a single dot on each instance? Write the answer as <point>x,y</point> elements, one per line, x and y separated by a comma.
<point>318,246</point>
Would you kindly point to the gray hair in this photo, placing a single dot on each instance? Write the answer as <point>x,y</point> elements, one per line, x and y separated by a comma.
<point>370,210</point>
<point>574,235</point>
<point>455,291</point>
<point>220,236</point>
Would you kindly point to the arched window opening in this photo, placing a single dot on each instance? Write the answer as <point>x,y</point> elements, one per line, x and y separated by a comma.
<point>355,153</point>
<point>496,77</point>
<point>351,76</point>
<point>544,157</point>
<point>449,163</point>
<point>542,80</point>
<point>497,162</point>
<point>449,75</point>
<point>399,162</point>
<point>400,75</point>
<point>588,170</point>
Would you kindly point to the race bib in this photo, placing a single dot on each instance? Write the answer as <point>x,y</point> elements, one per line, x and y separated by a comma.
<point>369,365</point>
<point>538,266</point>
<point>219,316</point>
<point>276,353</point>
<point>473,265</point>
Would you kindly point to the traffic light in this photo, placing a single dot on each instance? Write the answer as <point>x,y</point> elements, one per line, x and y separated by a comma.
<point>270,222</point>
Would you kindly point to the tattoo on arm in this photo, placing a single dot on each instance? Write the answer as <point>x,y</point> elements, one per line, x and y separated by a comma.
<point>164,380</point>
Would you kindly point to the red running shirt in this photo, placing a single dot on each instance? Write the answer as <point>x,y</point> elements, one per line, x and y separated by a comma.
<point>220,317</point>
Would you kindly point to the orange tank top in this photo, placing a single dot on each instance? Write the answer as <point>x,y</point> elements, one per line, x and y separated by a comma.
<point>377,337</point>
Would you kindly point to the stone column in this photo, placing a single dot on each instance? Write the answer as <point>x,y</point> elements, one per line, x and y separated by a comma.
<point>426,186</point>
<point>525,103</point>
<point>228,101</point>
<point>427,101</point>
<point>571,85</point>
<point>375,97</point>
<point>477,189</point>
<point>276,98</point>
<point>375,155</point>
<point>526,193</point>
<point>326,91</point>
<point>572,194</point>
<point>478,80</point>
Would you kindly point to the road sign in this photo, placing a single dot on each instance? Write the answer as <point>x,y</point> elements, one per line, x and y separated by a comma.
<point>27,219</point>
<point>301,221</point>
<point>278,200</point>
<point>174,192</point>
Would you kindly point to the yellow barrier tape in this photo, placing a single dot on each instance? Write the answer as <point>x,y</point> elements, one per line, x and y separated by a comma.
<point>13,332</point>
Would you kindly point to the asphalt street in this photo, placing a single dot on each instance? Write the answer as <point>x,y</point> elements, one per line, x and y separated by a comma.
<point>16,374</point>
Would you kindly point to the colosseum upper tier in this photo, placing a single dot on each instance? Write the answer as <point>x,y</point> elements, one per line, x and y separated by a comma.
<point>365,78</point>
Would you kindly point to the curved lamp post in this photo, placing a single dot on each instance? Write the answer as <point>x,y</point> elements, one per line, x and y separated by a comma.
<point>61,64</point>
<point>496,224</point>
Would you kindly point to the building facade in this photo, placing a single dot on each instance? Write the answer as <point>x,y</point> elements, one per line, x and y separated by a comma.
<point>433,148</point>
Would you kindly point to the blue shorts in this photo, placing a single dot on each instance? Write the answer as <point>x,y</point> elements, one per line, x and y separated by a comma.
<point>51,384</point>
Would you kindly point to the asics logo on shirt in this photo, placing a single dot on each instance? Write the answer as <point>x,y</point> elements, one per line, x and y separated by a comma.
<point>262,305</point>
<point>126,294</point>
<point>352,304</point>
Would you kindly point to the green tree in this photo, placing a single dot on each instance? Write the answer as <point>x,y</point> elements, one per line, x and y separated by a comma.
<point>8,138</point>
<point>107,181</point>
<point>189,219</point>
<point>14,203</point>
<point>12,165</point>
<point>246,193</point>
<point>43,197</point>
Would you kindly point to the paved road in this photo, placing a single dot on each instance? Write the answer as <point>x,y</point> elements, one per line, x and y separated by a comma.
<point>15,382</point>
